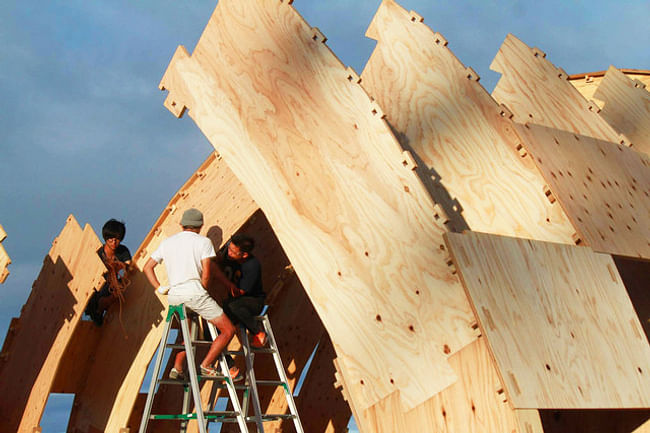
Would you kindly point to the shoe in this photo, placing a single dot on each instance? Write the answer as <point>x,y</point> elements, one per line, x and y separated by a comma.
<point>259,340</point>
<point>176,375</point>
<point>235,374</point>
<point>209,371</point>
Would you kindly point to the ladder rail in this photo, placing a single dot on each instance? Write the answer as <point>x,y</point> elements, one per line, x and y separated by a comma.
<point>194,379</point>
<point>283,376</point>
<point>230,385</point>
<point>250,378</point>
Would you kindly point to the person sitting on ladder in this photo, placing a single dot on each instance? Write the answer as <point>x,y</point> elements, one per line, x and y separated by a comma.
<point>117,259</point>
<point>187,256</point>
<point>246,297</point>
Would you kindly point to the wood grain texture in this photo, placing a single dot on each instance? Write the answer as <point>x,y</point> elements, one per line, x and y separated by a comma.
<point>603,187</point>
<point>464,145</point>
<point>536,91</point>
<point>108,395</point>
<point>558,321</point>
<point>5,261</point>
<point>626,107</point>
<point>328,172</point>
<point>70,273</point>
<point>471,405</point>
<point>596,421</point>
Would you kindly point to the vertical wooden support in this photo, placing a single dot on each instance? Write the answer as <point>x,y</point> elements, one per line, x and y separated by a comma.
<point>70,272</point>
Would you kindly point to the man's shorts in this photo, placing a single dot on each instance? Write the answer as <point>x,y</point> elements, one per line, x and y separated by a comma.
<point>204,305</point>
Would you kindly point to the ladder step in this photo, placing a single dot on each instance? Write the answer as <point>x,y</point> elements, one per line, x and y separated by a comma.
<point>272,417</point>
<point>270,382</point>
<point>189,416</point>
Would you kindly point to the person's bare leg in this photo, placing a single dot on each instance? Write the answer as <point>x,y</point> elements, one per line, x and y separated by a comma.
<point>226,332</point>
<point>180,356</point>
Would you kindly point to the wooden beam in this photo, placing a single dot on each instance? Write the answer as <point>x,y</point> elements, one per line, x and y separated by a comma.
<point>603,187</point>
<point>538,92</point>
<point>558,321</point>
<point>626,106</point>
<point>467,153</point>
<point>70,272</point>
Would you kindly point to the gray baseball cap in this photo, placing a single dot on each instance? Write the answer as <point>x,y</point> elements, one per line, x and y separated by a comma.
<point>192,218</point>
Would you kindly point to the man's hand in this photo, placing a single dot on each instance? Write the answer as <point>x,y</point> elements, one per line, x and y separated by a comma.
<point>235,291</point>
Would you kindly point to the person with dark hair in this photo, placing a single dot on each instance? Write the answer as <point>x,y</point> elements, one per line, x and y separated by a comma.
<point>187,257</point>
<point>246,295</point>
<point>117,259</point>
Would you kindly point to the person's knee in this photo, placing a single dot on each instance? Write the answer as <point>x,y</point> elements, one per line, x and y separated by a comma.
<point>225,326</point>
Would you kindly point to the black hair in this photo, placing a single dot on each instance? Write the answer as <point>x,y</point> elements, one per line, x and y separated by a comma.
<point>244,242</point>
<point>113,229</point>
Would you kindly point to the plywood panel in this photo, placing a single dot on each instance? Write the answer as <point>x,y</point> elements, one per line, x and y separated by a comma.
<point>596,421</point>
<point>474,404</point>
<point>538,92</point>
<point>106,400</point>
<point>316,155</point>
<point>587,83</point>
<point>626,106</point>
<point>603,187</point>
<point>464,145</point>
<point>558,320</point>
<point>5,261</point>
<point>70,272</point>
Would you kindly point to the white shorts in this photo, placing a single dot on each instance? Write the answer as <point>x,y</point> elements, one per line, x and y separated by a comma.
<point>204,305</point>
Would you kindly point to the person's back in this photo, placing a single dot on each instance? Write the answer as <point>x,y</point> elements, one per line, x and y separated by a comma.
<point>182,255</point>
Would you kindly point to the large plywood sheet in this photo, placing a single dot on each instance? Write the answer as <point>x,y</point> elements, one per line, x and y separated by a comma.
<point>626,106</point>
<point>474,404</point>
<point>316,155</point>
<point>538,92</point>
<point>603,187</point>
<point>70,273</point>
<point>558,321</point>
<point>105,401</point>
<point>5,261</point>
<point>587,83</point>
<point>462,140</point>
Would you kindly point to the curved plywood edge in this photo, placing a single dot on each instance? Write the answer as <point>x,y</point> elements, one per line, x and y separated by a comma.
<point>316,155</point>
<point>39,338</point>
<point>537,91</point>
<point>111,389</point>
<point>474,404</point>
<point>462,140</point>
<point>558,320</point>
<point>603,187</point>
<point>626,106</point>
<point>5,261</point>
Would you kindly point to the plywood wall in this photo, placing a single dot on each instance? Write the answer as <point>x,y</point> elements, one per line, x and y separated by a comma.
<point>604,187</point>
<point>5,261</point>
<point>38,338</point>
<point>538,92</point>
<point>329,172</point>
<point>626,106</point>
<point>106,398</point>
<point>462,140</point>
<point>588,350</point>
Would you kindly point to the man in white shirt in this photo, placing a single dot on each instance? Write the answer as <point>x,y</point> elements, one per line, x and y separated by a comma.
<point>187,256</point>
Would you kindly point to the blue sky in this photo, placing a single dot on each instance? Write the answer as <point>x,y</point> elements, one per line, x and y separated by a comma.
<point>84,130</point>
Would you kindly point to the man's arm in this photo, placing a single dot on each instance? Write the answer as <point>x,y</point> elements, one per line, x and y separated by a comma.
<point>149,272</point>
<point>206,272</point>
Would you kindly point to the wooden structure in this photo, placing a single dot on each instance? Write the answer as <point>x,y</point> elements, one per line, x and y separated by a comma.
<point>357,189</point>
<point>5,261</point>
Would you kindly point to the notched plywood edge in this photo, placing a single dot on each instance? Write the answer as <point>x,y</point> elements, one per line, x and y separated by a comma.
<point>170,79</point>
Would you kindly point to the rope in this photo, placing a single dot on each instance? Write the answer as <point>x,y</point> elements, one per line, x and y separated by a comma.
<point>117,286</point>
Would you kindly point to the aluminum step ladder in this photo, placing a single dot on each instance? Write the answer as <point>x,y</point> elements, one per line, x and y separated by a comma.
<point>202,416</point>
<point>251,382</point>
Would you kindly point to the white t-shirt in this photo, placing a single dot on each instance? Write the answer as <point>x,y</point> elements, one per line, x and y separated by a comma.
<point>182,254</point>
